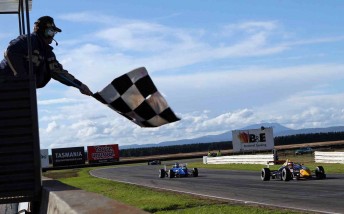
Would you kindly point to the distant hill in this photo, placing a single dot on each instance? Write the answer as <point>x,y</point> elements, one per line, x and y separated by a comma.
<point>278,130</point>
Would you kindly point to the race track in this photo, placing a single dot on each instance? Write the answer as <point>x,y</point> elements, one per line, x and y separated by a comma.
<point>320,196</point>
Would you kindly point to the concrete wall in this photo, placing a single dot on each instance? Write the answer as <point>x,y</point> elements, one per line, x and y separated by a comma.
<point>58,198</point>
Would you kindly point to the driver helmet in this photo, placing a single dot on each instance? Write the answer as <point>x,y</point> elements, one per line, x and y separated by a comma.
<point>46,27</point>
<point>290,164</point>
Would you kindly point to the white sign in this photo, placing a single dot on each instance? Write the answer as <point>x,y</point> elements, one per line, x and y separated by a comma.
<point>44,158</point>
<point>253,139</point>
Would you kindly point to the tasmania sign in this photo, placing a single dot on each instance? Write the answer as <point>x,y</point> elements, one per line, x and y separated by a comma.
<point>253,139</point>
<point>103,153</point>
<point>68,156</point>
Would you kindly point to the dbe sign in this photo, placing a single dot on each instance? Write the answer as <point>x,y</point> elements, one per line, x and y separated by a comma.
<point>253,139</point>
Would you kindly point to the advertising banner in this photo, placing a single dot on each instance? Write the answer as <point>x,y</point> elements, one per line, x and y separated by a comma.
<point>68,156</point>
<point>253,140</point>
<point>44,158</point>
<point>103,153</point>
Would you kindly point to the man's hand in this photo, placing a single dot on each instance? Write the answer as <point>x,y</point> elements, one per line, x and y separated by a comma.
<point>85,90</point>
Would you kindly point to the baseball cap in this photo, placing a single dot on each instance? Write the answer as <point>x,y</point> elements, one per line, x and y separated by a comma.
<point>47,22</point>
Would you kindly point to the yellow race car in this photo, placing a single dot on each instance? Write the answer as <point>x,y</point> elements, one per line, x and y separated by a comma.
<point>290,170</point>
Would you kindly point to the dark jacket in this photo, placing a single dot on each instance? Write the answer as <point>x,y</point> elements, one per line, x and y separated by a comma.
<point>45,64</point>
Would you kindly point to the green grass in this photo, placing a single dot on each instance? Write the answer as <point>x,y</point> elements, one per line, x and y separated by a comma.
<point>151,200</point>
<point>225,209</point>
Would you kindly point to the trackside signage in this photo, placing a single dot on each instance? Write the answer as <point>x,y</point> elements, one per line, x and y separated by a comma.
<point>44,158</point>
<point>68,156</point>
<point>253,140</point>
<point>103,153</point>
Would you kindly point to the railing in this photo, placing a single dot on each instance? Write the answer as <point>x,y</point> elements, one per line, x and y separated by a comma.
<point>329,157</point>
<point>240,159</point>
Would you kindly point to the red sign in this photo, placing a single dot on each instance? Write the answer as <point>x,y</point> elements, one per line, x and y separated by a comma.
<point>103,153</point>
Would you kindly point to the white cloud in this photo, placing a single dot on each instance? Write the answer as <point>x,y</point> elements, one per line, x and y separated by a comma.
<point>51,127</point>
<point>177,47</point>
<point>88,18</point>
<point>57,101</point>
<point>253,26</point>
<point>86,132</point>
<point>284,104</point>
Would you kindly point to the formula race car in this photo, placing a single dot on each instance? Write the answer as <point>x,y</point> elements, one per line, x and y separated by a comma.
<point>154,162</point>
<point>290,170</point>
<point>177,171</point>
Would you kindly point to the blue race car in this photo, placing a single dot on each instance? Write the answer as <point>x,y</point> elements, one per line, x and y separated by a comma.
<point>177,171</point>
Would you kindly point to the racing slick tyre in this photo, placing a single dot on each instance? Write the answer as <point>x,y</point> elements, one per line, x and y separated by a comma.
<point>286,174</point>
<point>320,172</point>
<point>265,176</point>
<point>162,173</point>
<point>171,173</point>
<point>195,172</point>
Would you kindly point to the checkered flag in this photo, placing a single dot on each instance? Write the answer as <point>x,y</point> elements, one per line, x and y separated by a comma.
<point>135,96</point>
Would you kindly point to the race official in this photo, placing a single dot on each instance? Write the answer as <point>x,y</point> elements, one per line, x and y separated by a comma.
<point>45,64</point>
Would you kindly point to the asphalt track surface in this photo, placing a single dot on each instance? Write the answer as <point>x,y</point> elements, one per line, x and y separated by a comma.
<point>318,196</point>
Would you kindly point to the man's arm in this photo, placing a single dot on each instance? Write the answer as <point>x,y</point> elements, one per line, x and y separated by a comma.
<point>62,75</point>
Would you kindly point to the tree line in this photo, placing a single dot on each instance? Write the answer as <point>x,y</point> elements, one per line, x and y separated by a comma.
<point>226,145</point>
<point>309,138</point>
<point>175,149</point>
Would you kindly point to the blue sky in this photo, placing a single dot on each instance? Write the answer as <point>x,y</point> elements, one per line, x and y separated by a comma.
<point>221,65</point>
